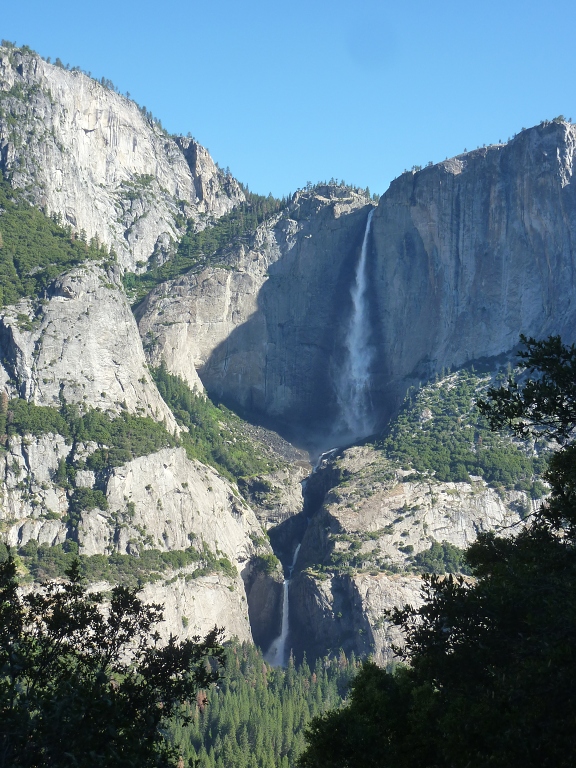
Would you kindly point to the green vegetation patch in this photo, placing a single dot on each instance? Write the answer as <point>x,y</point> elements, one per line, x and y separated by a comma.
<point>257,715</point>
<point>440,431</point>
<point>267,564</point>
<point>442,558</point>
<point>44,562</point>
<point>215,434</point>
<point>34,249</point>
<point>197,250</point>
<point>120,438</point>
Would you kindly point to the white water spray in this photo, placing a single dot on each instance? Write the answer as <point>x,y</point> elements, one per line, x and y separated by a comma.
<point>277,651</point>
<point>352,382</point>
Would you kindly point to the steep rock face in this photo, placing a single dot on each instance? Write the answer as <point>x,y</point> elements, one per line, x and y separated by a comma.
<point>277,497</point>
<point>80,344</point>
<point>31,504</point>
<point>386,510</point>
<point>347,612</point>
<point>472,252</point>
<point>162,501</point>
<point>462,258</point>
<point>265,597</point>
<point>370,525</point>
<point>264,329</point>
<point>90,155</point>
<point>175,502</point>
<point>194,607</point>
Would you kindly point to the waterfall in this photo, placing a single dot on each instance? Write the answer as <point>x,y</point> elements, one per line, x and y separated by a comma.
<point>277,651</point>
<point>353,380</point>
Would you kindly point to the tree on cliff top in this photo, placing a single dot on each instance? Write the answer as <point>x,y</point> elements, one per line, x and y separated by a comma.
<point>491,679</point>
<point>86,685</point>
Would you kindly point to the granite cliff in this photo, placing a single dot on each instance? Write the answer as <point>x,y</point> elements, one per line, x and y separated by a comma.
<point>357,552</point>
<point>471,252</point>
<point>90,156</point>
<point>462,257</point>
<point>265,329</point>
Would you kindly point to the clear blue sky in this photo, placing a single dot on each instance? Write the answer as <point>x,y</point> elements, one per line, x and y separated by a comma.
<point>285,93</point>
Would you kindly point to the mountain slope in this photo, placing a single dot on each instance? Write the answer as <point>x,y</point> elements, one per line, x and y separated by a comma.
<point>91,156</point>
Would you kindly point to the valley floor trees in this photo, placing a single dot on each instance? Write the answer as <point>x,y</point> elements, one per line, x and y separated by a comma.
<point>84,684</point>
<point>491,679</point>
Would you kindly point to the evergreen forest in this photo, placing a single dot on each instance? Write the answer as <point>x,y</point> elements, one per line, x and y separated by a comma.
<point>441,432</point>
<point>256,716</point>
<point>34,249</point>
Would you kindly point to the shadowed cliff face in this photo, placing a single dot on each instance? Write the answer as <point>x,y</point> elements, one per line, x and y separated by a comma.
<point>266,331</point>
<point>462,258</point>
<point>472,252</point>
<point>282,362</point>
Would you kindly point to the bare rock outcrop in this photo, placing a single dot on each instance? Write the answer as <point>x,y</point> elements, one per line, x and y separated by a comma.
<point>356,554</point>
<point>194,607</point>
<point>91,156</point>
<point>347,612</point>
<point>80,345</point>
<point>168,502</point>
<point>32,506</point>
<point>162,501</point>
<point>277,496</point>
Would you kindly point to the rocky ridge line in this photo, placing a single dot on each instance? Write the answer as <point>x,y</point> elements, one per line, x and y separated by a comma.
<point>89,155</point>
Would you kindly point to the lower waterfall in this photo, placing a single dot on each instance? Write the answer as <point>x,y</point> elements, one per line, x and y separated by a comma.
<point>277,652</point>
<point>353,380</point>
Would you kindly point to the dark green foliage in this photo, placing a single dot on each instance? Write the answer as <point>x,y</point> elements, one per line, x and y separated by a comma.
<point>85,499</point>
<point>33,248</point>
<point>267,563</point>
<point>547,398</point>
<point>46,562</point>
<point>120,438</point>
<point>81,687</point>
<point>442,558</point>
<point>454,441</point>
<point>492,659</point>
<point>374,731</point>
<point>24,418</point>
<point>197,250</point>
<point>256,716</point>
<point>214,435</point>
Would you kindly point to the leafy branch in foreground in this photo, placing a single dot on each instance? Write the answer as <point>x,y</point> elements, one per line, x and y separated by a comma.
<point>85,687</point>
<point>543,404</point>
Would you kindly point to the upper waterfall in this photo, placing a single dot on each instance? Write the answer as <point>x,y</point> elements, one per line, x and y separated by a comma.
<point>353,380</point>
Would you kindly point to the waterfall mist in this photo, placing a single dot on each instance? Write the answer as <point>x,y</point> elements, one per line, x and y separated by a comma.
<point>352,382</point>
